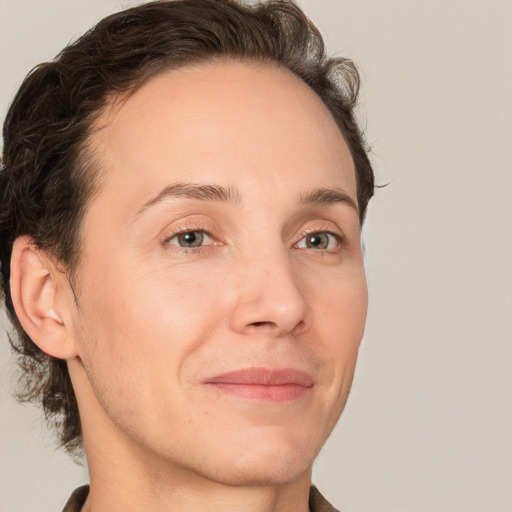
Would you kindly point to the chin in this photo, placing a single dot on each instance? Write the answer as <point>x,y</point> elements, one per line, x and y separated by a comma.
<point>269,465</point>
<point>242,475</point>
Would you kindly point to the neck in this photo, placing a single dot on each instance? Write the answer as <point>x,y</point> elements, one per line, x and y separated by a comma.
<point>163,487</point>
<point>112,495</point>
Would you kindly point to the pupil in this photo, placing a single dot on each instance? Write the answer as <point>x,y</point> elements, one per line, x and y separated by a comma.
<point>191,239</point>
<point>318,240</point>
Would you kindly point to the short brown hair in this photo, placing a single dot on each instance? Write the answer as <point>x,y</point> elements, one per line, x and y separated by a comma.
<point>47,179</point>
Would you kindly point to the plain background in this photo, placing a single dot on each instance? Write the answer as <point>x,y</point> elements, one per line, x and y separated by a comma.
<point>428,426</point>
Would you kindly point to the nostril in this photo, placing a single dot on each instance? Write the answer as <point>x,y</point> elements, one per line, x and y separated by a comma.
<point>262,324</point>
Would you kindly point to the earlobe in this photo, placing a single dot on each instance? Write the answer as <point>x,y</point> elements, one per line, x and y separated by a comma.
<point>34,290</point>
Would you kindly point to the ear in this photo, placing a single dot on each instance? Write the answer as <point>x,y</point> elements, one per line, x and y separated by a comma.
<point>38,290</point>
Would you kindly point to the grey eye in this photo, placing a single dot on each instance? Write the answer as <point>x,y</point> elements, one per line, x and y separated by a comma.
<point>191,239</point>
<point>320,240</point>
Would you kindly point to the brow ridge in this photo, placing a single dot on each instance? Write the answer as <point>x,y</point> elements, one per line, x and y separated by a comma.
<point>323,195</point>
<point>193,191</point>
<point>219,193</point>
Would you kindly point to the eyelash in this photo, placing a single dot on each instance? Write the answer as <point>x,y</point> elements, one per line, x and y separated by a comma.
<point>182,230</point>
<point>317,230</point>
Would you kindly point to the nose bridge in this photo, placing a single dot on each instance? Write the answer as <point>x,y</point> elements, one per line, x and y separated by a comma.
<point>270,295</point>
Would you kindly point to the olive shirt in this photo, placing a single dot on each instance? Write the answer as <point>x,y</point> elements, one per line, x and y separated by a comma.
<point>317,503</point>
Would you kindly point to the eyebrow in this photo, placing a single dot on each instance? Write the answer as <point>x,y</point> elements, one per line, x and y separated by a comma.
<point>193,191</point>
<point>321,196</point>
<point>218,193</point>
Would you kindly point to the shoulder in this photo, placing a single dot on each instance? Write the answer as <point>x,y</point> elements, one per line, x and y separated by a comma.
<point>77,499</point>
<point>317,503</point>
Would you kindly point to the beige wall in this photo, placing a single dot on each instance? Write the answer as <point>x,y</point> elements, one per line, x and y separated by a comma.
<point>429,424</point>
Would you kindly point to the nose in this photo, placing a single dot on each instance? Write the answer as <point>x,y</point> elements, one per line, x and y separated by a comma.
<point>269,298</point>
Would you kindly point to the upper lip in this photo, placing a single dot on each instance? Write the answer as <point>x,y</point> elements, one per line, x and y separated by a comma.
<point>263,377</point>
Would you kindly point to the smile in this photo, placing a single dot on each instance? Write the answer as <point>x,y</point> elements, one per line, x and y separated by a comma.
<point>262,384</point>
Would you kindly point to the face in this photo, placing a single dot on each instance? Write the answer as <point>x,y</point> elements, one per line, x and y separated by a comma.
<point>222,295</point>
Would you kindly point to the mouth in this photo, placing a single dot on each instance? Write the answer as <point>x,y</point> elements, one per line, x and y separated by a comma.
<point>262,384</point>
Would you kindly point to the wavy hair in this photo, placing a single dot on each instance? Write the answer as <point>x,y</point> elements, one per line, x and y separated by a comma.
<point>47,176</point>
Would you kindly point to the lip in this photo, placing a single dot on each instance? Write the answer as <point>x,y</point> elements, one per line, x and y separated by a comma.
<point>263,384</point>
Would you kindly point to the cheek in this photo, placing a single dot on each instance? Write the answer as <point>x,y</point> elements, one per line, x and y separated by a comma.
<point>340,302</point>
<point>138,333</point>
<point>146,316</point>
<point>340,309</point>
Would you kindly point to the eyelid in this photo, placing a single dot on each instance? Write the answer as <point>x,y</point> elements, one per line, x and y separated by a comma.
<point>325,227</point>
<point>209,237</point>
<point>190,225</point>
<point>328,233</point>
<point>322,227</point>
<point>187,227</point>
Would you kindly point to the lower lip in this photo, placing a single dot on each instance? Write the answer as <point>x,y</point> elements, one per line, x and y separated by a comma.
<point>264,393</point>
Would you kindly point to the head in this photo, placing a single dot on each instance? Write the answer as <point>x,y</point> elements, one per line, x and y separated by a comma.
<point>169,144</point>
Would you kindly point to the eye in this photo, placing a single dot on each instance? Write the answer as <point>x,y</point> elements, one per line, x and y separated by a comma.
<point>190,239</point>
<point>319,240</point>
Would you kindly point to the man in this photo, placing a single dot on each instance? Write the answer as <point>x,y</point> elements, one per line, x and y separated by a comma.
<point>182,195</point>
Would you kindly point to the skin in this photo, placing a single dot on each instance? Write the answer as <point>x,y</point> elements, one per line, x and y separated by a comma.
<point>156,320</point>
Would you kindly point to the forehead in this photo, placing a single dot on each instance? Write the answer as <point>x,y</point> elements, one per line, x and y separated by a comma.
<point>225,122</point>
